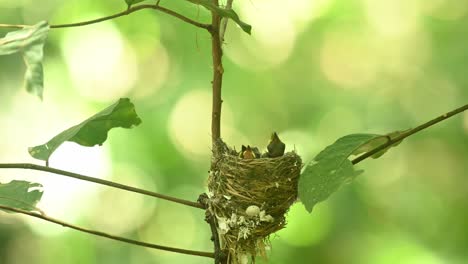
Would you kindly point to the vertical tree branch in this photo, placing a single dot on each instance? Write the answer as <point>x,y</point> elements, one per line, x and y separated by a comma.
<point>216,83</point>
<point>218,71</point>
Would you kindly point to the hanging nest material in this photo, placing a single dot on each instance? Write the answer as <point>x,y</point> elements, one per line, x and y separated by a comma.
<point>249,198</point>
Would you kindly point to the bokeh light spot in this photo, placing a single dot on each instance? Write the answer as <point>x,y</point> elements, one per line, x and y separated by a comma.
<point>393,18</point>
<point>190,122</point>
<point>347,59</point>
<point>100,63</point>
<point>304,229</point>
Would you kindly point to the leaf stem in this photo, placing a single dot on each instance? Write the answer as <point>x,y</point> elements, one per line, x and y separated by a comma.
<point>113,237</point>
<point>224,21</point>
<point>13,26</point>
<point>410,132</point>
<point>29,166</point>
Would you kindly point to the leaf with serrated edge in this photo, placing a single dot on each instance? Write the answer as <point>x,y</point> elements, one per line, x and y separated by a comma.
<point>92,131</point>
<point>229,13</point>
<point>330,169</point>
<point>22,195</point>
<point>29,41</point>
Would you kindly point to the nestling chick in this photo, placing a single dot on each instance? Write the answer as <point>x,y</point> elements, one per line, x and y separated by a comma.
<point>276,147</point>
<point>256,152</point>
<point>241,153</point>
<point>248,153</point>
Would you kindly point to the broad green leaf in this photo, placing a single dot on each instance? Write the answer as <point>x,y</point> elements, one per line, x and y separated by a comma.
<point>378,141</point>
<point>29,42</point>
<point>330,169</point>
<point>20,195</point>
<point>229,13</point>
<point>92,131</point>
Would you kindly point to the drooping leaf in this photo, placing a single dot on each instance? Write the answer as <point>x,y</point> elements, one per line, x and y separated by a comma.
<point>20,195</point>
<point>29,42</point>
<point>92,131</point>
<point>229,13</point>
<point>378,141</point>
<point>330,169</point>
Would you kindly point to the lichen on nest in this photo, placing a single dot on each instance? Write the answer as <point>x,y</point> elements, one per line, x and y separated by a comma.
<point>250,198</point>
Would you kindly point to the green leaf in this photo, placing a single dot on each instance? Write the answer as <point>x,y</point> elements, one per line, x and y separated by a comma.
<point>378,141</point>
<point>29,42</point>
<point>330,169</point>
<point>21,195</point>
<point>92,131</point>
<point>229,13</point>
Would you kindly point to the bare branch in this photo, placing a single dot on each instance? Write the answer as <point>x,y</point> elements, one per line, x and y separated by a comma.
<point>217,54</point>
<point>134,9</point>
<point>217,82</point>
<point>409,133</point>
<point>123,13</point>
<point>29,166</point>
<point>102,234</point>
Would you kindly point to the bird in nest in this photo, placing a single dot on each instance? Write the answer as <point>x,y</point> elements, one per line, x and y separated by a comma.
<point>249,152</point>
<point>275,147</point>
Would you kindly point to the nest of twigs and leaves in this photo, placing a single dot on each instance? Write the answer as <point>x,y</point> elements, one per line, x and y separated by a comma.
<point>249,198</point>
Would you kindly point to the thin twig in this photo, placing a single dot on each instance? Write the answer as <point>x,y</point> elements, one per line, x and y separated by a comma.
<point>409,133</point>
<point>224,21</point>
<point>13,26</point>
<point>134,9</point>
<point>29,166</point>
<point>123,13</point>
<point>102,234</point>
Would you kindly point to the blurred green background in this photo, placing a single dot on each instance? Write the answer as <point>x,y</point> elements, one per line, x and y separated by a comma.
<point>313,70</point>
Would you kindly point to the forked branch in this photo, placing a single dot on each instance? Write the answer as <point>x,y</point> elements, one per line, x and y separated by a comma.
<point>120,14</point>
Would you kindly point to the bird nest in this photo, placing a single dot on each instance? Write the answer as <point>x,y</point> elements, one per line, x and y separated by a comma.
<point>249,198</point>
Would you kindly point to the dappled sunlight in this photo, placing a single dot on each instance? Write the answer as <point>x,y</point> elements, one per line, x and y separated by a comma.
<point>443,176</point>
<point>394,18</point>
<point>190,123</point>
<point>124,211</point>
<point>276,26</point>
<point>154,69</point>
<point>313,71</point>
<point>304,229</point>
<point>389,248</point>
<point>436,91</point>
<point>67,198</point>
<point>301,141</point>
<point>172,226</point>
<point>63,197</point>
<point>337,122</point>
<point>404,57</point>
<point>101,64</point>
<point>348,59</point>
<point>446,9</point>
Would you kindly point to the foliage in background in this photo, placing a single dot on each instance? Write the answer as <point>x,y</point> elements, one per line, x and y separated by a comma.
<point>390,196</point>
